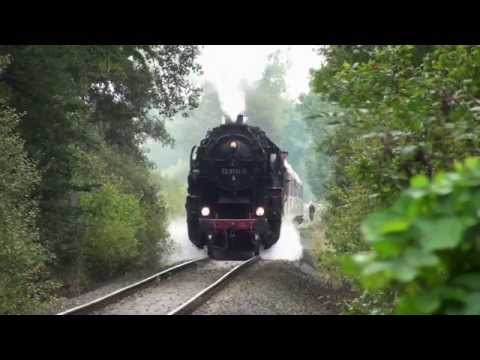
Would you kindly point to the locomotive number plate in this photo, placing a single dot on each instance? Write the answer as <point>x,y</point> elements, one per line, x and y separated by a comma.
<point>234,171</point>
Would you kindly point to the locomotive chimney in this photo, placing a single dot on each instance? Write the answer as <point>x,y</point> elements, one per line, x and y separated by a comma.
<point>241,119</point>
<point>227,120</point>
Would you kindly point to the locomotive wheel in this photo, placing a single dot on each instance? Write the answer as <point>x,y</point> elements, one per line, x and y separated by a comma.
<point>276,226</point>
<point>213,253</point>
<point>209,251</point>
<point>193,233</point>
<point>256,250</point>
<point>272,235</point>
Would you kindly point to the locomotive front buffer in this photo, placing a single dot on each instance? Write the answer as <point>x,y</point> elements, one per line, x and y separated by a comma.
<point>234,233</point>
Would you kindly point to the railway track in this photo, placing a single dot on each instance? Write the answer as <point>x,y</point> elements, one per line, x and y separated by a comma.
<point>134,295</point>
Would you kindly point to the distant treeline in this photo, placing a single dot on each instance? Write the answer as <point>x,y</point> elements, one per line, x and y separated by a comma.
<point>267,106</point>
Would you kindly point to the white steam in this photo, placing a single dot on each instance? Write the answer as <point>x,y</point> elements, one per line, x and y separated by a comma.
<point>288,247</point>
<point>183,247</point>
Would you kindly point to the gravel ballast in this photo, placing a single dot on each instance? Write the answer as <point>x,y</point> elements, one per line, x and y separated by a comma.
<point>169,293</point>
<point>275,288</point>
<point>272,286</point>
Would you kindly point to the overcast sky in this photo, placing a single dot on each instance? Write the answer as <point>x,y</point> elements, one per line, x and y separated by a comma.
<point>226,65</point>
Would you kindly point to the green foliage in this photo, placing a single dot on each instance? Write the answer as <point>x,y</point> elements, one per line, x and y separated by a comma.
<point>130,181</point>
<point>402,110</point>
<point>174,192</point>
<point>112,221</point>
<point>154,239</point>
<point>187,132</point>
<point>394,112</point>
<point>86,112</point>
<point>426,246</point>
<point>268,107</point>
<point>265,101</point>
<point>75,95</point>
<point>318,115</point>
<point>24,283</point>
<point>371,303</point>
<point>408,115</point>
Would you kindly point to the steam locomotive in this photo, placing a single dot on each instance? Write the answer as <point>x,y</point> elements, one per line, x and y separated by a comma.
<point>240,187</point>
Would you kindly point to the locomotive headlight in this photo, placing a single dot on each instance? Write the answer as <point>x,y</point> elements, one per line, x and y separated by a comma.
<point>260,211</point>
<point>233,145</point>
<point>205,211</point>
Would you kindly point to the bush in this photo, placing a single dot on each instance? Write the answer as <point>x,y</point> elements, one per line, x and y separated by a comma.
<point>174,191</point>
<point>135,179</point>
<point>154,238</point>
<point>24,285</point>
<point>371,303</point>
<point>112,222</point>
<point>397,111</point>
<point>87,111</point>
<point>426,247</point>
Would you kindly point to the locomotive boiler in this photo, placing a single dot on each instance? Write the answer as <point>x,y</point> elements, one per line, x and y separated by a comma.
<point>240,186</point>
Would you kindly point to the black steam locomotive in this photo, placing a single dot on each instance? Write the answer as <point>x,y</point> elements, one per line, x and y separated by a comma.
<point>239,187</point>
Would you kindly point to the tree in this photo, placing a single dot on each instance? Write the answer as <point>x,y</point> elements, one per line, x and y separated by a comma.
<point>68,92</point>
<point>405,110</point>
<point>112,222</point>
<point>187,132</point>
<point>87,111</point>
<point>268,107</point>
<point>23,275</point>
<point>424,248</point>
<point>190,130</point>
<point>265,100</point>
<point>318,117</point>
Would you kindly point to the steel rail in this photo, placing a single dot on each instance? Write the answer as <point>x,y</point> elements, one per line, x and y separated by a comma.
<point>120,293</point>
<point>194,302</point>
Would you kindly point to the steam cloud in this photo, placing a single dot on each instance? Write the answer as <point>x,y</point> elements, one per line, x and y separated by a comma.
<point>288,247</point>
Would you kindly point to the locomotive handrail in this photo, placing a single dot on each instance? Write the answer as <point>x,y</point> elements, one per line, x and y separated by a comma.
<point>191,154</point>
<point>257,141</point>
